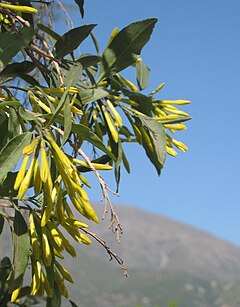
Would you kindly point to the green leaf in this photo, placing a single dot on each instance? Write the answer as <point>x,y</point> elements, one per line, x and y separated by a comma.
<point>13,123</point>
<point>21,250</point>
<point>125,48</point>
<point>28,116</point>
<point>142,71</point>
<point>49,31</point>
<point>67,121</point>
<point>27,78</point>
<point>158,138</point>
<point>85,133</point>
<point>10,44</point>
<point>6,187</point>
<point>144,102</point>
<point>12,152</point>
<point>89,60</point>
<point>91,95</point>
<point>5,268</point>
<point>3,128</point>
<point>54,301</point>
<point>180,119</point>
<point>68,69</point>
<point>17,68</point>
<point>119,155</point>
<point>71,40</point>
<point>80,4</point>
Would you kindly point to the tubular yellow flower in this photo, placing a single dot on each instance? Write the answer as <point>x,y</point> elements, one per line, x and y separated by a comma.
<point>128,83</point>
<point>47,212</point>
<point>75,110</point>
<point>113,34</point>
<point>179,126</point>
<point>59,205</point>
<point>110,124</point>
<point>21,173</point>
<point>19,8</point>
<point>44,170</point>
<point>35,285</point>
<point>147,138</point>
<point>65,274</point>
<point>34,239</point>
<point>69,248</point>
<point>180,145</point>
<point>57,237</point>
<point>46,285</point>
<point>61,155</point>
<point>27,180</point>
<point>29,149</point>
<point>176,102</point>
<point>47,255</point>
<point>174,110</point>
<point>60,284</point>
<point>171,151</point>
<point>85,239</point>
<point>157,89</point>
<point>58,254</point>
<point>38,103</point>
<point>167,117</point>
<point>116,115</point>
<point>76,223</point>
<point>97,166</point>
<point>15,294</point>
<point>37,179</point>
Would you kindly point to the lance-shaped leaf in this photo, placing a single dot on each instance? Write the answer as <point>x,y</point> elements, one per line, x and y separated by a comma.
<point>144,102</point>
<point>155,130</point>
<point>6,187</point>
<point>80,4</point>
<point>142,71</point>
<point>90,95</point>
<point>71,40</point>
<point>89,60</point>
<point>125,47</point>
<point>12,152</point>
<point>15,69</point>
<point>10,44</point>
<point>21,248</point>
<point>55,36</point>
<point>85,133</point>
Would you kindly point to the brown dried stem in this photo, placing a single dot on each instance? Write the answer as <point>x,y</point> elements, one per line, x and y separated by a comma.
<point>111,254</point>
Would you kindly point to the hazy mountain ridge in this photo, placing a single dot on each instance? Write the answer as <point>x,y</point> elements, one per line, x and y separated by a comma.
<point>167,261</point>
<point>155,242</point>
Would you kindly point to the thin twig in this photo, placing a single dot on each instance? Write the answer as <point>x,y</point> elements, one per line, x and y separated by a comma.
<point>111,254</point>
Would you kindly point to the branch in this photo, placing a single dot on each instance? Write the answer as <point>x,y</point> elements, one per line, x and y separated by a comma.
<point>111,254</point>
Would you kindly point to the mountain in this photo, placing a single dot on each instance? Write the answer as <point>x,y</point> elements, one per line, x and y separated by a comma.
<point>159,243</point>
<point>169,264</point>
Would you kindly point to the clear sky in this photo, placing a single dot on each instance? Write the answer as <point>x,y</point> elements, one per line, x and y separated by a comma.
<point>195,49</point>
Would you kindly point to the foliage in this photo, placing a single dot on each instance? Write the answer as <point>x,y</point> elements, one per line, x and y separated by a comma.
<point>54,100</point>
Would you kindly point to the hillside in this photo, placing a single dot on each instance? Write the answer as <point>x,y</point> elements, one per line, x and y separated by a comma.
<point>167,262</point>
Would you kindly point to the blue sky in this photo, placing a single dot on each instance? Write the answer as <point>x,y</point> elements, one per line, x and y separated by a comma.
<point>195,49</point>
